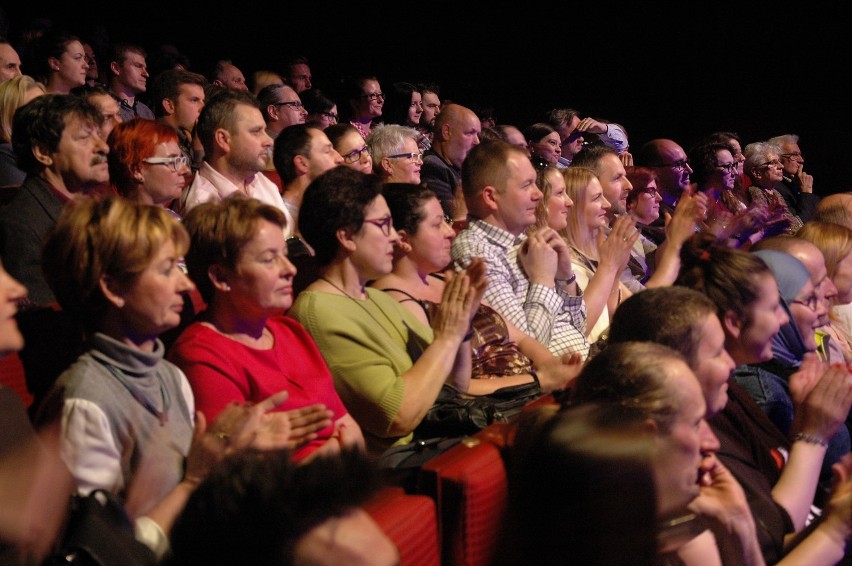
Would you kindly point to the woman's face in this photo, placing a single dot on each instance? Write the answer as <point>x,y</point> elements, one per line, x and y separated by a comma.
<point>558,203</point>
<point>805,315</point>
<point>415,109</point>
<point>154,301</point>
<point>647,206</point>
<point>548,148</point>
<point>771,172</point>
<point>326,119</point>
<point>725,172</point>
<point>354,151</point>
<point>11,292</point>
<point>596,207</point>
<point>842,279</point>
<point>263,278</point>
<point>163,182</point>
<point>404,169</point>
<point>374,242</point>
<point>713,365</point>
<point>369,103</point>
<point>71,65</point>
<point>430,245</point>
<point>767,316</point>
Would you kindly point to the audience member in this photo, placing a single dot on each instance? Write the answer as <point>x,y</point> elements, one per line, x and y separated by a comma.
<point>228,75</point>
<point>396,155</point>
<point>403,105</point>
<point>243,349</point>
<point>165,57</point>
<point>178,97</point>
<point>10,62</point>
<point>104,101</point>
<point>431,97</point>
<point>365,100</point>
<point>57,141</point>
<point>531,282</point>
<point>543,143</point>
<point>351,146</point>
<point>60,62</point>
<point>281,107</point>
<point>388,367</point>
<point>321,110</point>
<point>796,186</point>
<point>236,151</point>
<point>297,74</point>
<point>264,78</point>
<point>14,93</point>
<point>93,77</point>
<point>763,166</point>
<point>128,72</point>
<point>511,134</point>
<point>669,161</point>
<point>573,131</point>
<point>455,133</point>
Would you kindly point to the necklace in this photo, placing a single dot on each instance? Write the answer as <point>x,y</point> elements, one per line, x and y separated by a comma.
<point>162,416</point>
<point>366,310</point>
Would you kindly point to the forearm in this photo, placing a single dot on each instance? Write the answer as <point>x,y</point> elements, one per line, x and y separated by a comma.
<point>796,487</point>
<point>597,294</point>
<point>701,551</point>
<point>826,545</point>
<point>487,386</point>
<point>170,507</point>
<point>667,266</point>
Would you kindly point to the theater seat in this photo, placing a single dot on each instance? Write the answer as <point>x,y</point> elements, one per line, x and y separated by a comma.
<point>468,483</point>
<point>410,521</point>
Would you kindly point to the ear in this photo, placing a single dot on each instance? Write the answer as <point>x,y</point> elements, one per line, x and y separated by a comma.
<point>272,111</point>
<point>217,82</point>
<point>301,164</point>
<point>445,132</point>
<point>218,275</point>
<point>386,166</point>
<point>136,173</point>
<point>403,241</point>
<point>53,63</point>
<point>222,138</point>
<point>42,156</point>
<point>108,288</point>
<point>733,324</point>
<point>344,238</point>
<point>168,106</point>
<point>115,68</point>
<point>489,197</point>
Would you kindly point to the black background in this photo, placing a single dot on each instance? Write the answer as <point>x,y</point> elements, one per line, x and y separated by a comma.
<point>661,69</point>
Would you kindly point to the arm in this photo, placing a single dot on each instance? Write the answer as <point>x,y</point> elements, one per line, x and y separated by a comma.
<point>88,448</point>
<point>679,227</point>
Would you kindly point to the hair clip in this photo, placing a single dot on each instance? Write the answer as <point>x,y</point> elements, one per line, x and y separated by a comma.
<point>704,256</point>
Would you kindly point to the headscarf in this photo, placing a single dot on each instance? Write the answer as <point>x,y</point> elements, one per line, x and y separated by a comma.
<point>791,276</point>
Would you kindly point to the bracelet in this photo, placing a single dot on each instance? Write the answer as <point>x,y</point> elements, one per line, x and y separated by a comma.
<point>810,439</point>
<point>569,280</point>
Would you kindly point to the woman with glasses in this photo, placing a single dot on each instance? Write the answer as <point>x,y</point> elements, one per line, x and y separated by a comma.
<point>351,146</point>
<point>388,366</point>
<point>145,162</point>
<point>365,99</point>
<point>396,153</point>
<point>763,166</point>
<point>643,206</point>
<point>322,111</point>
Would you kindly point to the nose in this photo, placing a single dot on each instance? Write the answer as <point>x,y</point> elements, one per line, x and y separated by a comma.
<point>337,158</point>
<point>537,194</point>
<point>287,267</point>
<point>568,202</point>
<point>605,204</point>
<point>185,283</point>
<point>708,440</point>
<point>688,168</point>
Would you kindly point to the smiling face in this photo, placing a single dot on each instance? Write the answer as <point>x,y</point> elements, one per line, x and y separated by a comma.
<point>842,279</point>
<point>805,318</point>
<point>751,342</point>
<point>369,104</point>
<point>153,302</point>
<point>596,207</point>
<point>646,209</point>
<point>558,203</point>
<point>352,147</point>
<point>404,169</point>
<point>262,281</point>
<point>547,148</point>
<point>713,365</point>
<point>516,201</point>
<point>614,182</point>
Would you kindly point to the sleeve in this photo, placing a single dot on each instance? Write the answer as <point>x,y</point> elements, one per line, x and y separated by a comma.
<point>615,137</point>
<point>88,448</point>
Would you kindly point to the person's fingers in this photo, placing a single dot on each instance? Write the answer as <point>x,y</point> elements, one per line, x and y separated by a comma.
<point>274,400</point>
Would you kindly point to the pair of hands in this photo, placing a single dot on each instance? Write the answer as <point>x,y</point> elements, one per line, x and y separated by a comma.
<point>246,426</point>
<point>463,291</point>
<point>545,257</point>
<point>822,397</point>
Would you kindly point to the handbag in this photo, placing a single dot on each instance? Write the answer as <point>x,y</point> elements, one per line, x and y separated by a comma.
<point>98,532</point>
<point>457,413</point>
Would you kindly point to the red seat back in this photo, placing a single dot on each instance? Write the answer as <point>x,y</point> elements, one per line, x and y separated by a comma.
<point>410,521</point>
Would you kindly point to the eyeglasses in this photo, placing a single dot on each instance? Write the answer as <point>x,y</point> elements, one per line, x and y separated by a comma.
<point>295,104</point>
<point>679,165</point>
<point>355,154</point>
<point>795,155</point>
<point>650,191</point>
<point>384,224</point>
<point>773,163</point>
<point>374,96</point>
<point>332,117</point>
<point>811,302</point>
<point>412,156</point>
<point>176,163</point>
<point>729,167</point>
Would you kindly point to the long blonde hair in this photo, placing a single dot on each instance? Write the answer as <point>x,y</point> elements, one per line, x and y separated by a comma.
<point>12,95</point>
<point>577,233</point>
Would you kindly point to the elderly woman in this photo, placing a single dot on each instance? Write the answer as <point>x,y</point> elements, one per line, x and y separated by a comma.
<point>242,348</point>
<point>388,367</point>
<point>396,155</point>
<point>502,354</point>
<point>763,166</point>
<point>145,162</point>
<point>351,146</point>
<point>14,93</point>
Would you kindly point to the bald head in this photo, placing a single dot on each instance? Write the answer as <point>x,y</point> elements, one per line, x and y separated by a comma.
<point>668,159</point>
<point>457,130</point>
<point>836,208</point>
<point>10,63</point>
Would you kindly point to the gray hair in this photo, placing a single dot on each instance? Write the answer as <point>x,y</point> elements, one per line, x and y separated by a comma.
<point>388,139</point>
<point>757,154</point>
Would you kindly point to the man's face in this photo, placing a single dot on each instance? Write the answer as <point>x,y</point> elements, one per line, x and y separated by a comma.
<point>673,171</point>
<point>791,158</point>
<point>463,134</point>
<point>233,78</point>
<point>108,108</point>
<point>824,289</point>
<point>322,155</point>
<point>248,143</point>
<point>188,105</point>
<point>133,72</point>
<point>300,77</point>
<point>288,110</point>
<point>517,200</point>
<point>80,160</point>
<point>10,63</point>
<point>616,185</point>
<point>431,109</point>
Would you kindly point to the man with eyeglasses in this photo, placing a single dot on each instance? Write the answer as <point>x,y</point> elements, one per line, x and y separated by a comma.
<point>669,160</point>
<point>457,130</point>
<point>281,107</point>
<point>797,187</point>
<point>236,150</point>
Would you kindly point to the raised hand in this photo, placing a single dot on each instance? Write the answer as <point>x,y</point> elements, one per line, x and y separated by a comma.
<point>538,258</point>
<point>614,248</point>
<point>825,408</point>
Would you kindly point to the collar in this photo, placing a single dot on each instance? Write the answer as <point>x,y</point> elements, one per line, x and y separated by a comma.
<point>498,236</point>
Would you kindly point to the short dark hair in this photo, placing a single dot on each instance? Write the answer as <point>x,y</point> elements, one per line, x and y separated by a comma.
<point>405,201</point>
<point>335,200</point>
<point>292,141</point>
<point>219,112</point>
<point>166,85</point>
<point>40,123</point>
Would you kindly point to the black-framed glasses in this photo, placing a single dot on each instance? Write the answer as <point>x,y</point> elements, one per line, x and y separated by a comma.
<point>794,155</point>
<point>355,154</point>
<point>411,155</point>
<point>773,163</point>
<point>332,117</point>
<point>176,163</point>
<point>812,302</point>
<point>374,96</point>
<point>384,224</point>
<point>679,165</point>
<point>296,105</point>
<point>729,167</point>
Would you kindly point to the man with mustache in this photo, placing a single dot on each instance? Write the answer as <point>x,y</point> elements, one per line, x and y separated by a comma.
<point>58,142</point>
<point>236,150</point>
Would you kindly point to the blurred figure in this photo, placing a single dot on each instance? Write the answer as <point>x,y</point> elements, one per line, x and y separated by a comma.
<point>10,62</point>
<point>14,93</point>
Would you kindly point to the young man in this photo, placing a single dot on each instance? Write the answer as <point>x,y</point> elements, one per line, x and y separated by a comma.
<point>178,98</point>
<point>128,79</point>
